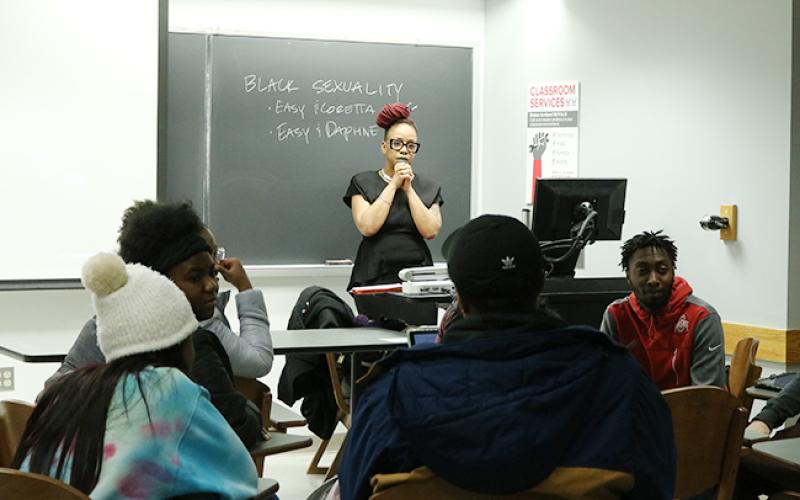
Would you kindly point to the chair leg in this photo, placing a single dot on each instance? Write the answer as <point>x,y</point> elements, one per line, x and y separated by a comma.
<point>259,463</point>
<point>313,467</point>
<point>334,468</point>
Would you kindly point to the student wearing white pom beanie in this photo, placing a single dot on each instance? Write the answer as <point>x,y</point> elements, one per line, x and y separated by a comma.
<point>139,425</point>
<point>138,310</point>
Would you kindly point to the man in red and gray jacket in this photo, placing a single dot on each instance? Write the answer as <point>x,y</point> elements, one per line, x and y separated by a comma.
<point>676,337</point>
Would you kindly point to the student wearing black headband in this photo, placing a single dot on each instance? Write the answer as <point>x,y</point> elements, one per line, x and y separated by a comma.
<point>167,237</point>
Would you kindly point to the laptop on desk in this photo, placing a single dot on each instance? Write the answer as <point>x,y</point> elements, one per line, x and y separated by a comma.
<point>422,335</point>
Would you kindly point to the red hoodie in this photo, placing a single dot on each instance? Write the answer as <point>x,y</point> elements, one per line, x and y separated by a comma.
<point>661,342</point>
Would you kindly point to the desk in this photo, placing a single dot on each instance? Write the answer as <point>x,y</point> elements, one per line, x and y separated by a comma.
<point>580,301</point>
<point>52,347</point>
<point>442,300</point>
<point>785,451</point>
<point>350,340</point>
<point>358,339</point>
<point>761,393</point>
<point>37,347</point>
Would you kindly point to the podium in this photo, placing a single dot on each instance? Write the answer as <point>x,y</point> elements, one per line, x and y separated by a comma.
<point>582,301</point>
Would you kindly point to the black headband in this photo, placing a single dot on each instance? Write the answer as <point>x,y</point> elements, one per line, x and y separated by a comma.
<point>178,251</point>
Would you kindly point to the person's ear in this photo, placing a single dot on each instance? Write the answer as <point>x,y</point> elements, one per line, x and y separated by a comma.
<point>383,147</point>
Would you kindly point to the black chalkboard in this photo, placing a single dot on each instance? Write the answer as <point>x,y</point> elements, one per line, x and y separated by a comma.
<point>266,137</point>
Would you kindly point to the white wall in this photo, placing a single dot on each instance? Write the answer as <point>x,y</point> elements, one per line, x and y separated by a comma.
<point>690,100</point>
<point>79,97</point>
<point>445,22</point>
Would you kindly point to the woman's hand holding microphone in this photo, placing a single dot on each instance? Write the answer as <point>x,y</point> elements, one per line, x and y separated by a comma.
<point>403,174</point>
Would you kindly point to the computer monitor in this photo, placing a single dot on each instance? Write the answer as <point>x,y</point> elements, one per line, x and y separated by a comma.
<point>569,214</point>
<point>558,208</point>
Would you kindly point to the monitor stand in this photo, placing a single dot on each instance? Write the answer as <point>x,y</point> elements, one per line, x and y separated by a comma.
<point>560,262</point>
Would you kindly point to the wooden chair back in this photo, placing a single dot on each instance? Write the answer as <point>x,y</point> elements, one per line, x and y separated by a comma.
<point>256,392</point>
<point>17,484</point>
<point>744,372</point>
<point>14,417</point>
<point>709,428</point>
<point>261,396</point>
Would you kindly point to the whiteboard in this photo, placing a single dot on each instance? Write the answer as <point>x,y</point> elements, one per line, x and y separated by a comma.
<point>79,127</point>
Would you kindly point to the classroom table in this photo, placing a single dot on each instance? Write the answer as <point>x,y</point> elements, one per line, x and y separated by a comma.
<point>52,346</point>
<point>348,340</point>
<point>38,347</point>
<point>442,300</point>
<point>761,393</point>
<point>785,451</point>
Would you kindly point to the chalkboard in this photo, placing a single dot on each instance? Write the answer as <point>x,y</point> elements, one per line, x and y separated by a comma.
<point>264,135</point>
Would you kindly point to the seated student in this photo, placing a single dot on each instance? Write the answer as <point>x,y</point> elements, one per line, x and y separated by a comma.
<point>761,476</point>
<point>251,351</point>
<point>676,336</point>
<point>136,427</point>
<point>250,354</point>
<point>166,237</point>
<point>513,399</point>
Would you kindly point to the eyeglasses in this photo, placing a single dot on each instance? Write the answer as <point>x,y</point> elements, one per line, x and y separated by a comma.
<point>220,254</point>
<point>398,144</point>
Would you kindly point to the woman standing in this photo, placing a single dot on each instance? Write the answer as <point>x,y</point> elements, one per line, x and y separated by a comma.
<point>395,209</point>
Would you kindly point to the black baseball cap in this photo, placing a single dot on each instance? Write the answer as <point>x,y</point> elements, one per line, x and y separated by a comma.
<point>494,256</point>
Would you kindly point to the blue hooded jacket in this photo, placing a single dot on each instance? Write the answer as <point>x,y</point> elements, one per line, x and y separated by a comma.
<point>503,403</point>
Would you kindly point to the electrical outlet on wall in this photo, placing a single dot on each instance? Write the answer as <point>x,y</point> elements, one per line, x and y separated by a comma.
<point>7,379</point>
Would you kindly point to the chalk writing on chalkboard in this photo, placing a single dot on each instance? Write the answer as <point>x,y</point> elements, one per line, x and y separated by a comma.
<point>302,122</point>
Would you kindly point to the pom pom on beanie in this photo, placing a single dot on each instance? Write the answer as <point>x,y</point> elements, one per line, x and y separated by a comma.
<point>104,274</point>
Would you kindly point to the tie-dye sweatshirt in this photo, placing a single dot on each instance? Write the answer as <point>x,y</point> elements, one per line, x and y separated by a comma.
<point>185,446</point>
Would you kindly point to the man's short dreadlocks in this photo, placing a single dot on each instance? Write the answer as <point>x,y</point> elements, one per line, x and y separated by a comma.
<point>648,239</point>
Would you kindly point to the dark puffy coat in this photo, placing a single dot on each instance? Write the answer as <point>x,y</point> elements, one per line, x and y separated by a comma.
<point>212,370</point>
<point>506,401</point>
<point>306,375</point>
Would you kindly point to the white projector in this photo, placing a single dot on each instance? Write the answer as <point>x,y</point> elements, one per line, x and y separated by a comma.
<point>425,273</point>
<point>428,287</point>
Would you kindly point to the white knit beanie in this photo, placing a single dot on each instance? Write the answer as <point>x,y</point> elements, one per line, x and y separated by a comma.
<point>138,309</point>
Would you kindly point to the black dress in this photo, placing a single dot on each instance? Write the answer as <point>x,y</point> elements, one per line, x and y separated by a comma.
<point>395,246</point>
